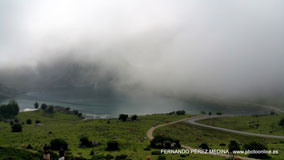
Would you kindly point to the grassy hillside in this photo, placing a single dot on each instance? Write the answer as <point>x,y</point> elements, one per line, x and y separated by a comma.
<point>266,124</point>
<point>194,136</point>
<point>131,135</point>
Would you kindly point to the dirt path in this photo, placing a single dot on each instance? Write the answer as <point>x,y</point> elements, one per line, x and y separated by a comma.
<point>151,130</point>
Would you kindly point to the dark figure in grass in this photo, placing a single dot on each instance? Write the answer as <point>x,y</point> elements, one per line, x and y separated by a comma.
<point>61,154</point>
<point>46,152</point>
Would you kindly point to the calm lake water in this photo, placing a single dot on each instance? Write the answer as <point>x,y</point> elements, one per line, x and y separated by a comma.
<point>101,107</point>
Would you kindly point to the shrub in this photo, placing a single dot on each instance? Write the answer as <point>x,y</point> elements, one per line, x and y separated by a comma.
<point>75,112</point>
<point>29,146</point>
<point>281,122</point>
<point>29,121</point>
<point>161,158</point>
<point>17,128</point>
<point>123,117</point>
<point>156,153</point>
<point>218,113</point>
<point>37,121</point>
<point>121,157</point>
<point>256,146</point>
<point>50,109</point>
<point>204,146</point>
<point>92,153</point>
<point>56,144</point>
<point>84,142</point>
<point>112,146</point>
<point>134,117</point>
<point>209,113</point>
<point>43,106</point>
<point>160,141</point>
<point>202,112</point>
<point>182,112</point>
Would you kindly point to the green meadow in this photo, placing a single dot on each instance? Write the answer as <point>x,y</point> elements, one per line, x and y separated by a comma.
<point>131,135</point>
<point>264,124</point>
<point>193,136</point>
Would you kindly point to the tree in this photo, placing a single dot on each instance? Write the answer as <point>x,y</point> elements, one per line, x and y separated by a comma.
<point>29,121</point>
<point>36,105</point>
<point>123,117</point>
<point>256,146</point>
<point>233,146</point>
<point>16,128</point>
<point>10,110</point>
<point>134,117</point>
<point>14,107</point>
<point>281,122</point>
<point>58,143</point>
<point>112,146</point>
<point>43,106</point>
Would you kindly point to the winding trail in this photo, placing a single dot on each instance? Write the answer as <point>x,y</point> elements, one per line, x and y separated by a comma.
<point>194,119</point>
<point>151,130</point>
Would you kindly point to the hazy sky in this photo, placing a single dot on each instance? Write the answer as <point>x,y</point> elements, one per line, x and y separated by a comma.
<point>178,47</point>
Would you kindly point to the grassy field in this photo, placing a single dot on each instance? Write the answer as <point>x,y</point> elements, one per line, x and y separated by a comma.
<point>266,124</point>
<point>191,135</point>
<point>130,135</point>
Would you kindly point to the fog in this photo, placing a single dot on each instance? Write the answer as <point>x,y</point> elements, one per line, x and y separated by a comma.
<point>175,48</point>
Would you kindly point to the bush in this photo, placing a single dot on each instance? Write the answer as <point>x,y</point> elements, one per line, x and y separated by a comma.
<point>134,117</point>
<point>156,153</point>
<point>17,128</point>
<point>233,146</point>
<point>56,144</point>
<point>29,146</point>
<point>112,146</point>
<point>209,113</point>
<point>164,142</point>
<point>43,106</point>
<point>281,122</point>
<point>37,121</point>
<point>84,142</point>
<point>50,109</point>
<point>204,146</point>
<point>75,112</point>
<point>182,112</point>
<point>123,117</point>
<point>29,121</point>
<point>202,112</point>
<point>121,157</point>
<point>218,113</point>
<point>92,153</point>
<point>256,146</point>
<point>161,158</point>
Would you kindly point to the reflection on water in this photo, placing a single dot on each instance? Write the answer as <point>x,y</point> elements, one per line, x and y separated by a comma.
<point>112,106</point>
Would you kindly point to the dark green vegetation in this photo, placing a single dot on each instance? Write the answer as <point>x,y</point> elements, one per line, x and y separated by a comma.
<point>130,136</point>
<point>264,124</point>
<point>194,136</point>
<point>9,110</point>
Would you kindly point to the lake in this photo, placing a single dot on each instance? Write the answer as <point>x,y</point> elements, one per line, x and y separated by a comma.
<point>109,106</point>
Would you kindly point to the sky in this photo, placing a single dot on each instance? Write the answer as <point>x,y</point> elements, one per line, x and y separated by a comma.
<point>222,47</point>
